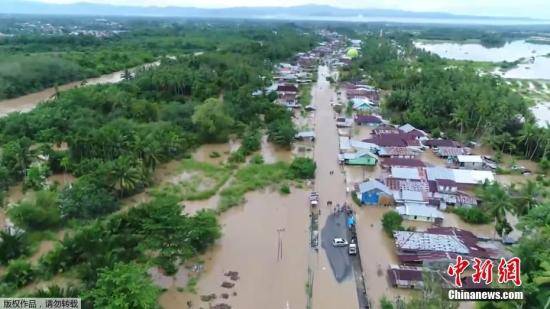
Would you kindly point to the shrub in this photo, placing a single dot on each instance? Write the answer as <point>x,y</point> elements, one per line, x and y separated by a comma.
<point>252,141</point>
<point>36,176</point>
<point>38,214</point>
<point>237,156</point>
<point>12,246</point>
<point>285,189</point>
<point>257,159</point>
<point>86,199</point>
<point>472,215</point>
<point>391,221</point>
<point>19,273</point>
<point>303,168</point>
<point>214,154</point>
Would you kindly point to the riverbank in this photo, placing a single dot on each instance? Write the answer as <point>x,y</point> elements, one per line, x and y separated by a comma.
<point>27,102</point>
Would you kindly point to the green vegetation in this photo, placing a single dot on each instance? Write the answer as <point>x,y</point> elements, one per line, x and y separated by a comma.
<point>391,222</point>
<point>195,180</point>
<point>285,189</point>
<point>249,178</point>
<point>39,213</point>
<point>115,137</point>
<point>124,286</point>
<point>456,100</point>
<point>472,215</point>
<point>303,168</point>
<point>304,95</point>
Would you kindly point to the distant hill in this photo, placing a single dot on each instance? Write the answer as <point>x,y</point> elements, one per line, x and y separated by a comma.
<point>303,11</point>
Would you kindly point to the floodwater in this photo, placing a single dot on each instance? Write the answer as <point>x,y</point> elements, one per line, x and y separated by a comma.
<point>61,179</point>
<point>268,278</point>
<point>28,102</point>
<point>377,253</point>
<point>510,52</point>
<point>272,153</point>
<point>327,292</point>
<point>542,113</point>
<point>204,152</point>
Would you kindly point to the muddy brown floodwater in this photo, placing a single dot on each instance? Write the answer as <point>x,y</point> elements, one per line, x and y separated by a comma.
<point>250,246</point>
<point>28,102</point>
<point>327,292</point>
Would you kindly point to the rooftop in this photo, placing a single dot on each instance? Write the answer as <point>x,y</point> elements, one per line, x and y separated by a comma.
<point>411,209</point>
<point>372,185</point>
<point>423,241</point>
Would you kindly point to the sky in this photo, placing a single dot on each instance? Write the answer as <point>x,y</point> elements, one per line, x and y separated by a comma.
<point>509,8</point>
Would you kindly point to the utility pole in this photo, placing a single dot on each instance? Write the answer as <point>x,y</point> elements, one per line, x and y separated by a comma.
<point>279,244</point>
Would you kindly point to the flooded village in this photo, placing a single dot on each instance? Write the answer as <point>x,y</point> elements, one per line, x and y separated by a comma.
<point>322,244</point>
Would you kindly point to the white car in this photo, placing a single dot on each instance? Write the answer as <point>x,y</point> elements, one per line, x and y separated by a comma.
<point>352,249</point>
<point>339,242</point>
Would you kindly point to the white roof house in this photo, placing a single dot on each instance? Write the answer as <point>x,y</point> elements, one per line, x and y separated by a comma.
<point>345,145</point>
<point>406,240</point>
<point>305,134</point>
<point>419,212</point>
<point>469,159</point>
<point>359,145</point>
<point>405,173</point>
<point>373,184</point>
<point>461,176</point>
<point>472,176</point>
<point>408,196</point>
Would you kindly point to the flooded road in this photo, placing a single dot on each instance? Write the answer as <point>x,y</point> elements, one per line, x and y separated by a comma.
<point>28,102</point>
<point>327,292</point>
<point>271,265</point>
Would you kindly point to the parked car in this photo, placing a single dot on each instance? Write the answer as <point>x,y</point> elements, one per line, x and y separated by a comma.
<point>339,242</point>
<point>352,249</point>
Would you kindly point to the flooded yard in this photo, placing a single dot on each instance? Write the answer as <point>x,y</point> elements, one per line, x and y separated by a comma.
<point>377,253</point>
<point>271,265</point>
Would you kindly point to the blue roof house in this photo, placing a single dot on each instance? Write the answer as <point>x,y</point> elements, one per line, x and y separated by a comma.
<point>369,192</point>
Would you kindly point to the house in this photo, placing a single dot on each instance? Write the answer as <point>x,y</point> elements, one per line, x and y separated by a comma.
<point>385,129</point>
<point>409,196</point>
<point>305,136</point>
<point>369,120</point>
<point>342,122</point>
<point>393,140</point>
<point>469,162</point>
<point>445,152</point>
<point>358,158</point>
<point>439,244</point>
<point>287,88</point>
<point>436,143</point>
<point>401,162</point>
<point>360,104</point>
<point>398,152</point>
<point>408,277</point>
<point>373,192</point>
<point>472,177</point>
<point>345,145</point>
<point>412,131</point>
<point>362,146</point>
<point>419,212</point>
<point>406,173</point>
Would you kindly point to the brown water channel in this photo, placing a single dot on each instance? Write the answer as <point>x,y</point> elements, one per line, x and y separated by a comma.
<point>28,102</point>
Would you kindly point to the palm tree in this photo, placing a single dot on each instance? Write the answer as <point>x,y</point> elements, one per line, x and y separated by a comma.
<point>527,197</point>
<point>125,175</point>
<point>495,200</point>
<point>528,132</point>
<point>460,117</point>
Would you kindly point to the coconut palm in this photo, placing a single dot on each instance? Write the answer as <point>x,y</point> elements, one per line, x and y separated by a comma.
<point>495,200</point>
<point>527,197</point>
<point>126,175</point>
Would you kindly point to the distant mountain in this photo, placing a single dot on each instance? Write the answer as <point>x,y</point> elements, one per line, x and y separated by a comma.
<point>303,11</point>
